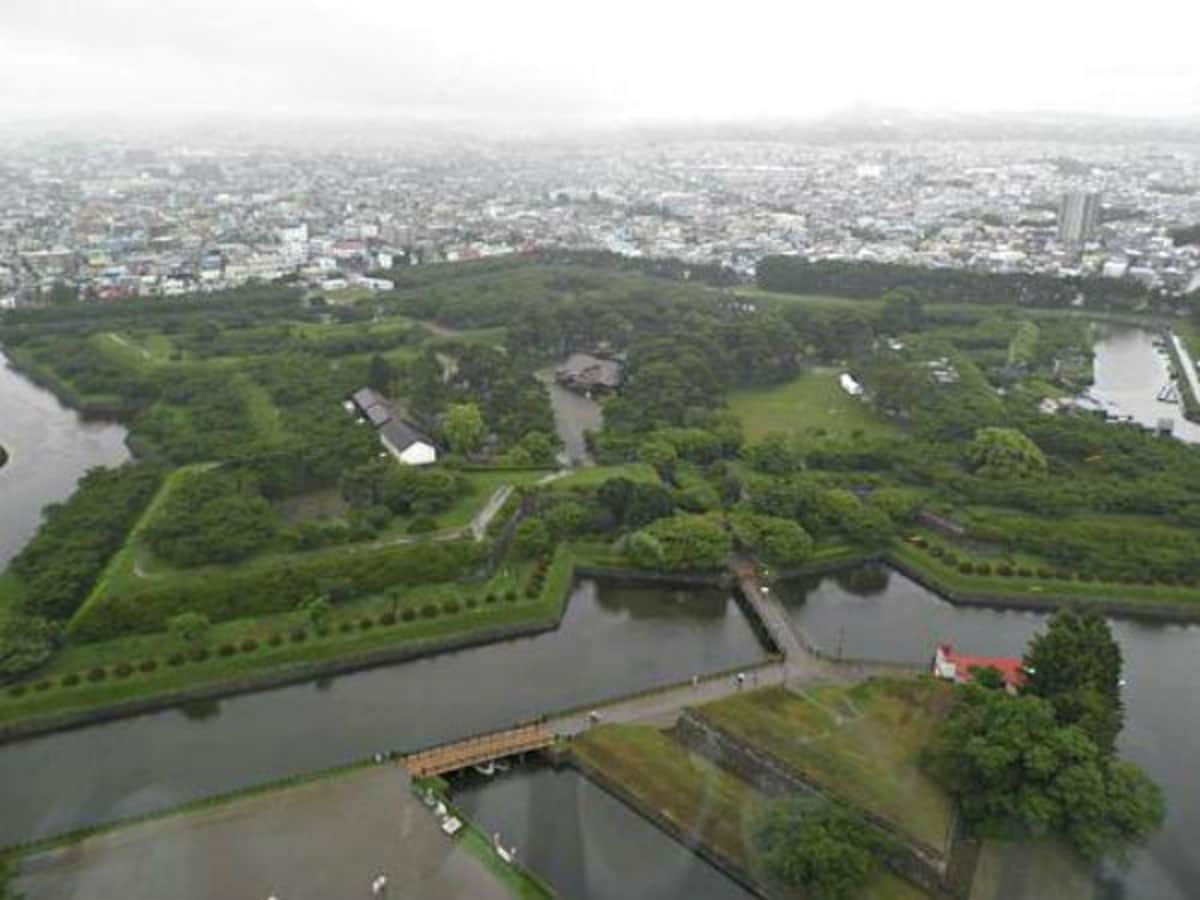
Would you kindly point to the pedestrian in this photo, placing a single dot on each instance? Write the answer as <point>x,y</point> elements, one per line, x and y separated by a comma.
<point>695,681</point>
<point>741,679</point>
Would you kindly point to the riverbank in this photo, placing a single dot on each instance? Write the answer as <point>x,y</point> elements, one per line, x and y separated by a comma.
<point>301,654</point>
<point>1139,602</point>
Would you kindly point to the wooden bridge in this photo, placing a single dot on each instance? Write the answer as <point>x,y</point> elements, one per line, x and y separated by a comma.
<point>481,749</point>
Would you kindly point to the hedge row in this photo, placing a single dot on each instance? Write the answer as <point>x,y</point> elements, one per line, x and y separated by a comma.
<point>228,649</point>
<point>1005,570</point>
<point>274,588</point>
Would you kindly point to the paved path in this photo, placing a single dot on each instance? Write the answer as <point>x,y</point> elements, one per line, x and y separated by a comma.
<point>1188,366</point>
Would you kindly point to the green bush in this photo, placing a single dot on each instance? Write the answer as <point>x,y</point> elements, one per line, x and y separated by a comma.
<point>430,610</point>
<point>148,665</point>
<point>43,685</point>
<point>511,596</point>
<point>966,568</point>
<point>17,690</point>
<point>490,598</point>
<point>226,650</point>
<point>99,673</point>
<point>1004,570</point>
<point>366,624</point>
<point>299,635</point>
<point>175,660</point>
<point>346,627</point>
<point>1044,573</point>
<point>1024,572</point>
<point>249,645</point>
<point>451,607</point>
<point>70,679</point>
<point>200,654</point>
<point>388,618</point>
<point>472,603</point>
<point>123,670</point>
<point>275,639</point>
<point>408,614</point>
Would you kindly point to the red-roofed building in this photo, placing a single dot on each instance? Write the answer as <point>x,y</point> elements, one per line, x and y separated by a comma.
<point>959,667</point>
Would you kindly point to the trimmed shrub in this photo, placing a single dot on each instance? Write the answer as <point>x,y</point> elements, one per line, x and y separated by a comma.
<point>490,598</point>
<point>123,670</point>
<point>148,665</point>
<point>472,603</point>
<point>97,674</point>
<point>226,650</point>
<point>408,614</point>
<point>451,607</point>
<point>938,551</point>
<point>275,639</point>
<point>299,636</point>
<point>430,610</point>
<point>346,627</point>
<point>388,618</point>
<point>1024,572</point>
<point>323,631</point>
<point>1004,570</point>
<point>1044,573</point>
<point>983,568</point>
<point>249,645</point>
<point>17,690</point>
<point>366,624</point>
<point>966,568</point>
<point>510,595</point>
<point>200,654</point>
<point>919,541</point>
<point>175,660</point>
<point>70,679</point>
<point>43,685</point>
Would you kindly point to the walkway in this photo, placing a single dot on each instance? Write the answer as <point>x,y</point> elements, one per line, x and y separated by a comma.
<point>484,748</point>
<point>1189,371</point>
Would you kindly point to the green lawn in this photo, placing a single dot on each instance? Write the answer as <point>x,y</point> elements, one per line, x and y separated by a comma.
<point>345,637</point>
<point>1050,589</point>
<point>860,742</point>
<point>699,798</point>
<point>816,301</point>
<point>806,406</point>
<point>595,475</point>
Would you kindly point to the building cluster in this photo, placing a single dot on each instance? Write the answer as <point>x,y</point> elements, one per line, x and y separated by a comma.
<point>108,220</point>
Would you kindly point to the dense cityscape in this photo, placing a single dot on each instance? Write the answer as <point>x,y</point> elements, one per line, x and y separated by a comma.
<point>115,219</point>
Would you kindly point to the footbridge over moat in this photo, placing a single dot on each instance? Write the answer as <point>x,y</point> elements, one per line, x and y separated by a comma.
<point>477,750</point>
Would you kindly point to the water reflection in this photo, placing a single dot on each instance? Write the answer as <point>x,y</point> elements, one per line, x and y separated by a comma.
<point>585,842</point>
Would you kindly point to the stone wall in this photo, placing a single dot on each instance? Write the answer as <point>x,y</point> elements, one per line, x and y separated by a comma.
<point>920,864</point>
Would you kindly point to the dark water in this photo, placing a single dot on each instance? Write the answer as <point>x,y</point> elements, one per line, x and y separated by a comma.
<point>614,640</point>
<point>587,844</point>
<point>49,448</point>
<point>1129,372</point>
<point>876,613</point>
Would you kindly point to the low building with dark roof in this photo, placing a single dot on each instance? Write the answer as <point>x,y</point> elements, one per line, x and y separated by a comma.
<point>401,439</point>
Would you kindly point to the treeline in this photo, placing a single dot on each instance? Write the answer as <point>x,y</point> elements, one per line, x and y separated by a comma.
<point>870,280</point>
<point>76,539</point>
<point>238,306</point>
<point>213,516</point>
<point>276,587</point>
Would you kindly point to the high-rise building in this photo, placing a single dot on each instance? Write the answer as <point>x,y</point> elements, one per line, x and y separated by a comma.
<point>1078,214</point>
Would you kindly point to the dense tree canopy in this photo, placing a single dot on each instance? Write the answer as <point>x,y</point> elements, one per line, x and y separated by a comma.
<point>1005,453</point>
<point>1017,771</point>
<point>1075,664</point>
<point>681,543</point>
<point>823,848</point>
<point>211,517</point>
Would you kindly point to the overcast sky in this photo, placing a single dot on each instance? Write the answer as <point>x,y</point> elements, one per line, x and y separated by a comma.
<point>566,60</point>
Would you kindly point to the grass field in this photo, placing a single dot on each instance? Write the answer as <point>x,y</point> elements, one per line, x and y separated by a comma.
<point>949,578</point>
<point>595,475</point>
<point>860,742</point>
<point>812,404</point>
<point>816,301</point>
<point>344,637</point>
<point>700,799</point>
